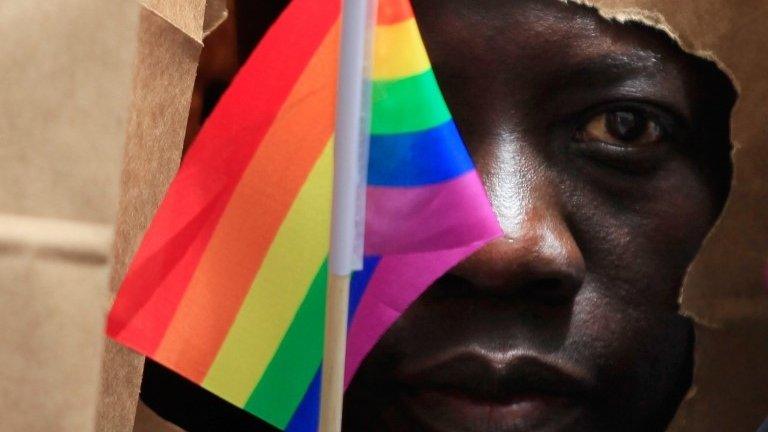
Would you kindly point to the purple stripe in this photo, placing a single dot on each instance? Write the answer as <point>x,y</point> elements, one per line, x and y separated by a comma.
<point>397,281</point>
<point>448,215</point>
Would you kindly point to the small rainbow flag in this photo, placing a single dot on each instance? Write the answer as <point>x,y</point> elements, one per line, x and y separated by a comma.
<point>228,285</point>
<point>426,208</point>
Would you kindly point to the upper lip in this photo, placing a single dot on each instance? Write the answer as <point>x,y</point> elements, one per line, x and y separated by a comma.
<point>498,378</point>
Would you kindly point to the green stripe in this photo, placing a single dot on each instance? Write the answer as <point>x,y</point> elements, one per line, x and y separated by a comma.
<point>295,363</point>
<point>408,105</point>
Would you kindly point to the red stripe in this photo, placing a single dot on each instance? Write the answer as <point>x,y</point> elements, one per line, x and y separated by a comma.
<point>198,195</point>
<point>139,320</point>
<point>253,217</point>
<point>394,11</point>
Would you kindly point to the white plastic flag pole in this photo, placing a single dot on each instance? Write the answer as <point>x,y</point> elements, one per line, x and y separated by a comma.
<point>347,221</point>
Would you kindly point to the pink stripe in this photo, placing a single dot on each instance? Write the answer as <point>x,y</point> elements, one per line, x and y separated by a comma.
<point>448,215</point>
<point>397,282</point>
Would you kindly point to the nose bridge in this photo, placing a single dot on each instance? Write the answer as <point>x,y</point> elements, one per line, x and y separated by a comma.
<point>538,248</point>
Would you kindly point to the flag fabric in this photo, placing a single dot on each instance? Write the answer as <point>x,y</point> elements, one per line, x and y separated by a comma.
<point>426,208</point>
<point>763,427</point>
<point>228,285</point>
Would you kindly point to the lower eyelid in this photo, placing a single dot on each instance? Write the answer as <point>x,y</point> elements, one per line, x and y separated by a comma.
<point>633,160</point>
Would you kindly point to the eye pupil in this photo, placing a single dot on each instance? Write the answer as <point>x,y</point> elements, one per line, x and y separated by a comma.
<point>625,125</point>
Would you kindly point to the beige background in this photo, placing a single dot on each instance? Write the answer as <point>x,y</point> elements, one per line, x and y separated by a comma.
<point>65,77</point>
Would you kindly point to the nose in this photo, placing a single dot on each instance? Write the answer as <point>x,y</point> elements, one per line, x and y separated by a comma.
<point>538,258</point>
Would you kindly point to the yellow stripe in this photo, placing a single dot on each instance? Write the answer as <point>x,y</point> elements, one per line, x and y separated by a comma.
<point>399,51</point>
<point>281,284</point>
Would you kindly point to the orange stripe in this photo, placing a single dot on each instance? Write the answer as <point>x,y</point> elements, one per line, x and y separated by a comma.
<point>394,11</point>
<point>252,218</point>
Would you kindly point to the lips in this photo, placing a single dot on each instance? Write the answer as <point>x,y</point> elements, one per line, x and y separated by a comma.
<point>477,390</point>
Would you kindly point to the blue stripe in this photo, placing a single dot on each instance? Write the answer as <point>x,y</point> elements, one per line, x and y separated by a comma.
<point>307,415</point>
<point>419,158</point>
<point>358,284</point>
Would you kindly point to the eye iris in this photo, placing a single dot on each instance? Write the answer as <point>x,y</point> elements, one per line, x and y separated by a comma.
<point>625,125</point>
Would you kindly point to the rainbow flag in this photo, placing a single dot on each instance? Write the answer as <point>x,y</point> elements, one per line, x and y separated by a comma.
<point>426,208</point>
<point>228,285</point>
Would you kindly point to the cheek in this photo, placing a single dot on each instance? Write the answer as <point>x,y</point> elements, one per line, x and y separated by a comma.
<point>682,210</point>
<point>639,239</point>
<point>640,356</point>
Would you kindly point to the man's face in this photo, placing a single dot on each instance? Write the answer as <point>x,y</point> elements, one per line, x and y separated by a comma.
<point>604,151</point>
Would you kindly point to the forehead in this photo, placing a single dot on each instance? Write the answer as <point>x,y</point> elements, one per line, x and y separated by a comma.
<point>535,31</point>
<point>549,54</point>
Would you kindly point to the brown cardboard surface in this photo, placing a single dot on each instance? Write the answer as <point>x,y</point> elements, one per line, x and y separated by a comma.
<point>148,421</point>
<point>215,14</point>
<point>63,108</point>
<point>730,381</point>
<point>186,16</point>
<point>167,55</point>
<point>725,289</point>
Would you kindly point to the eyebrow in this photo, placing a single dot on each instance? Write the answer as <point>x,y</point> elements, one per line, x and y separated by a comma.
<point>611,67</point>
<point>637,73</point>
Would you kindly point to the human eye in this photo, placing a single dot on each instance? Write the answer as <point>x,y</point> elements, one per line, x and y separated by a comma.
<point>633,138</point>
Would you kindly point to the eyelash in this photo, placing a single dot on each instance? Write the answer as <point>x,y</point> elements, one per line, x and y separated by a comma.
<point>625,159</point>
<point>666,119</point>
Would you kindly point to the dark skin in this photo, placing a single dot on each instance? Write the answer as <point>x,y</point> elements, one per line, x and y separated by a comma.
<point>604,149</point>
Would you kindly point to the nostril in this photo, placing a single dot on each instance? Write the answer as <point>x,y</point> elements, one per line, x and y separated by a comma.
<point>543,266</point>
<point>548,292</point>
<point>543,292</point>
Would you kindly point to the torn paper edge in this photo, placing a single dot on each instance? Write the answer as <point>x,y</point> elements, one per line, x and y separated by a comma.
<point>121,370</point>
<point>656,20</point>
<point>213,15</point>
